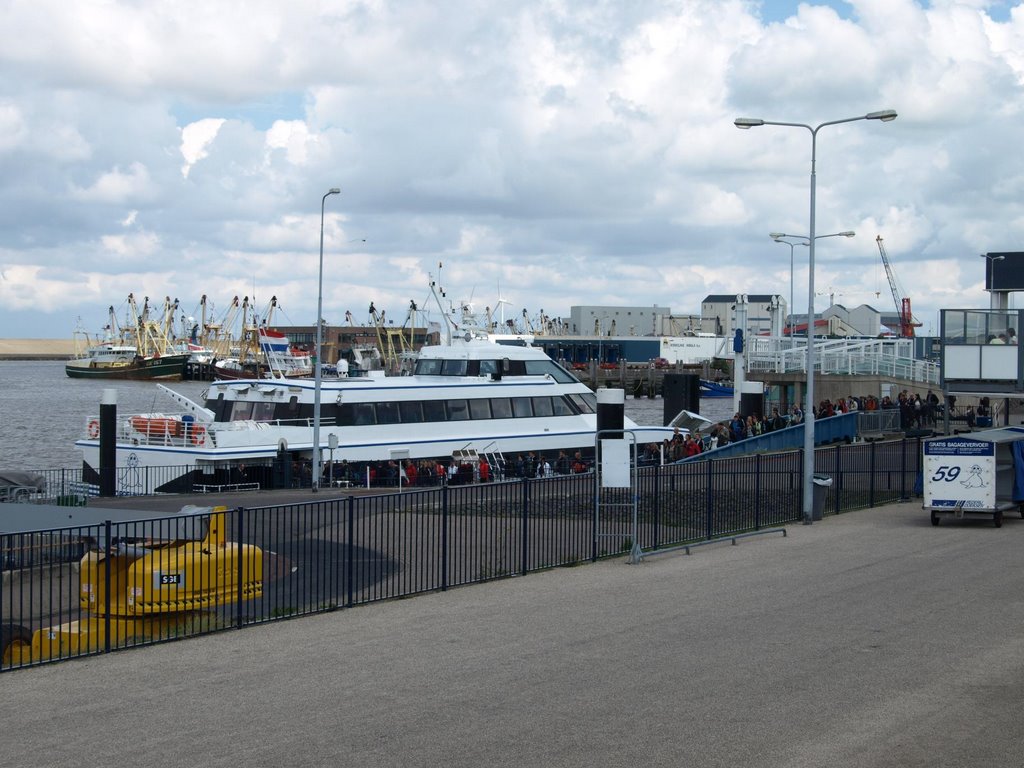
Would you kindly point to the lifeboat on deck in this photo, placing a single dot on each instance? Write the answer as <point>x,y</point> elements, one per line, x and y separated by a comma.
<point>158,426</point>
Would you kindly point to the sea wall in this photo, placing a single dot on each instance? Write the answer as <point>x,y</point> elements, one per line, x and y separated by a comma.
<point>36,349</point>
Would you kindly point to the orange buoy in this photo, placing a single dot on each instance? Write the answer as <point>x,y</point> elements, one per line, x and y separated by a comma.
<point>94,429</point>
<point>198,435</point>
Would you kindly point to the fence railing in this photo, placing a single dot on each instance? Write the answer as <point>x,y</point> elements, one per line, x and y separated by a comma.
<point>123,584</point>
<point>74,486</point>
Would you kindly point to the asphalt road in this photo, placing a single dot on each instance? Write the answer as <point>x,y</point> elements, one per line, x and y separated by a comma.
<point>869,639</point>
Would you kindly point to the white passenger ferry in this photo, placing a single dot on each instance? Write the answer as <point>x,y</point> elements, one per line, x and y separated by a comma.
<point>469,396</point>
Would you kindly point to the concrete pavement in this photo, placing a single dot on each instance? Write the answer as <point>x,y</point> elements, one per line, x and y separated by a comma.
<point>869,639</point>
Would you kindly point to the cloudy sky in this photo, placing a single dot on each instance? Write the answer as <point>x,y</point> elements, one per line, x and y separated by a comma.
<point>547,152</point>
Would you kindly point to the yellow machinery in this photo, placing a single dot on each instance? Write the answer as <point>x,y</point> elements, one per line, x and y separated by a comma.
<point>138,591</point>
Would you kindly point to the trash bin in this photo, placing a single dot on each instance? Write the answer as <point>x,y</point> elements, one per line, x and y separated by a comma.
<point>820,482</point>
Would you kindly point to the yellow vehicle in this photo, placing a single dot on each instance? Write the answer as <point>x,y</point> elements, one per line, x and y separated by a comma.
<point>159,578</point>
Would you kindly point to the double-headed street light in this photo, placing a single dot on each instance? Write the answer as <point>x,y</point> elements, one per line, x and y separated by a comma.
<point>791,241</point>
<point>750,122</point>
<point>317,373</point>
<point>778,238</point>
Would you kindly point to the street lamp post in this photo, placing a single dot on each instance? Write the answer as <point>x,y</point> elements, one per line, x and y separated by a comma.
<point>317,373</point>
<point>780,237</point>
<point>747,123</point>
<point>777,237</point>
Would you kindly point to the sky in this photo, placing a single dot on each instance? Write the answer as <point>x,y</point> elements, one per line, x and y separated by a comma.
<point>549,153</point>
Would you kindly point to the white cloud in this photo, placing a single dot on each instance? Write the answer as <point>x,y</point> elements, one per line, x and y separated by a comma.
<point>117,186</point>
<point>575,152</point>
<point>137,245</point>
<point>195,138</point>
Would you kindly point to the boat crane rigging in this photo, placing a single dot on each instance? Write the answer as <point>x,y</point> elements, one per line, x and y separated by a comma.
<point>907,324</point>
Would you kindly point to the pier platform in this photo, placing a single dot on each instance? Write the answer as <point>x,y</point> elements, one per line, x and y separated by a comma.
<point>841,644</point>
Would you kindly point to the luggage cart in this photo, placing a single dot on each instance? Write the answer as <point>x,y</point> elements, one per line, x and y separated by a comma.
<point>974,475</point>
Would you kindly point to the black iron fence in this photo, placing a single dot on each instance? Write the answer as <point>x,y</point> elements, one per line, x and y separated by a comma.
<point>71,592</point>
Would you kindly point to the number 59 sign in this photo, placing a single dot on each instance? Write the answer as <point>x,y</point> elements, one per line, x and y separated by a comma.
<point>959,472</point>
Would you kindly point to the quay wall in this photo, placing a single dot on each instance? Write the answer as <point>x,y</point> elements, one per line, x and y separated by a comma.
<point>36,349</point>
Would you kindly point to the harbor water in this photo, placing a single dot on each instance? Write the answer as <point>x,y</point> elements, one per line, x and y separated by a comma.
<point>43,412</point>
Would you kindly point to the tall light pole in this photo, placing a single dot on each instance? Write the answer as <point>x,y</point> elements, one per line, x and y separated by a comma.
<point>778,238</point>
<point>317,373</point>
<point>749,122</point>
<point>781,237</point>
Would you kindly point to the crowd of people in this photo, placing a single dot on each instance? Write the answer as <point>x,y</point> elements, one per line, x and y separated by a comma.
<point>915,412</point>
<point>428,472</point>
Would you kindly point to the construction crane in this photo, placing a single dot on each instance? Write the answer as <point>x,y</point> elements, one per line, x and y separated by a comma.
<point>907,324</point>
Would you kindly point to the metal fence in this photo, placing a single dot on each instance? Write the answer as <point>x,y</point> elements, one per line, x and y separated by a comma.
<point>74,486</point>
<point>72,592</point>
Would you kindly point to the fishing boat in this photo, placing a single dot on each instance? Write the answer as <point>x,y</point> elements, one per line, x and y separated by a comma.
<point>131,352</point>
<point>263,352</point>
<point>118,361</point>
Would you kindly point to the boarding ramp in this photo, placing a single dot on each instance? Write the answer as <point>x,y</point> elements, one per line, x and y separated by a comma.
<point>19,486</point>
<point>834,429</point>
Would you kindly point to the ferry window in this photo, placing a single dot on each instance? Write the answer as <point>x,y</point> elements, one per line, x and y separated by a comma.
<point>453,368</point>
<point>218,412</point>
<point>428,367</point>
<point>488,367</point>
<point>221,408</point>
<point>287,412</point>
<point>501,408</point>
<point>411,412</point>
<point>263,411</point>
<point>433,410</point>
<point>522,407</point>
<point>480,408</point>
<point>345,417</point>
<point>542,406</point>
<point>550,367</point>
<point>241,410</point>
<point>387,413</point>
<point>458,410</point>
<point>560,407</point>
<point>329,414</point>
<point>362,413</point>
<point>583,403</point>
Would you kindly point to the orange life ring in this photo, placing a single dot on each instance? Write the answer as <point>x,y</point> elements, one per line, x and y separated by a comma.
<point>94,429</point>
<point>198,434</point>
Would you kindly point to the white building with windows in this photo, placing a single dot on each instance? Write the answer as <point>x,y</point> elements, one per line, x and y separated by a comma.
<point>765,314</point>
<point>617,321</point>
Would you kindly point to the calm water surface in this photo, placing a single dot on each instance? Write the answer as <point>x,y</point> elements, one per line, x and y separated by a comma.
<point>43,412</point>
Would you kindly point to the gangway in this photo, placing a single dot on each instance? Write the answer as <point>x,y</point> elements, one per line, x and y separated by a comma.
<point>841,357</point>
